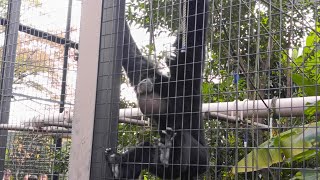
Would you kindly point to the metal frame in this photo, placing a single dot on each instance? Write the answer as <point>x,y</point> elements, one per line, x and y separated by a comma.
<point>98,88</point>
<point>108,86</point>
<point>41,34</point>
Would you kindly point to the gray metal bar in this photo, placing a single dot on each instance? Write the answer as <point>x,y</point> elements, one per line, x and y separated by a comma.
<point>41,34</point>
<point>108,87</point>
<point>37,98</point>
<point>65,59</point>
<point>7,73</point>
<point>64,79</point>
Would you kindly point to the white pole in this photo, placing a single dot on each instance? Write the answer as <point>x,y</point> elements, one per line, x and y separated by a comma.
<point>84,110</point>
<point>284,107</point>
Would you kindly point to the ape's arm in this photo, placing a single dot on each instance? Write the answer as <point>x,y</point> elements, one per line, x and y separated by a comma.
<point>186,71</point>
<point>190,43</point>
<point>134,63</point>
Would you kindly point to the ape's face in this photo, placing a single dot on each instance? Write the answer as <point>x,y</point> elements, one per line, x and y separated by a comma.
<point>145,87</point>
<point>152,104</point>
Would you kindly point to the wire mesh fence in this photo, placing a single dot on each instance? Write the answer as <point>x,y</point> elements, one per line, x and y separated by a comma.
<point>39,52</point>
<point>192,89</point>
<point>255,67</point>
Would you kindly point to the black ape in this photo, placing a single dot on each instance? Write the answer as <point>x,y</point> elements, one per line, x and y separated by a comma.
<point>173,103</point>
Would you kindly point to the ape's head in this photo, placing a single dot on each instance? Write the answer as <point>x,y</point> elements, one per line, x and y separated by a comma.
<point>145,87</point>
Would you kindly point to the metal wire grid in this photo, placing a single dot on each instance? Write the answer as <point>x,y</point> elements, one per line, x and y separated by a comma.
<point>40,50</point>
<point>259,85</point>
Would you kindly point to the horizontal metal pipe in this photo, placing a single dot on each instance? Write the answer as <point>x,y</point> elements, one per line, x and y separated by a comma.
<point>283,107</point>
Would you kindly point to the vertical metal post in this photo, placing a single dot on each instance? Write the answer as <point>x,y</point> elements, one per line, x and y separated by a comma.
<point>64,77</point>
<point>108,86</point>
<point>7,72</point>
<point>65,59</point>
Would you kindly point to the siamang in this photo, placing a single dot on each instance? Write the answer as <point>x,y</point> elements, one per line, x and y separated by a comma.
<point>172,102</point>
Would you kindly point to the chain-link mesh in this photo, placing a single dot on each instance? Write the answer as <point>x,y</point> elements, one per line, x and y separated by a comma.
<point>39,53</point>
<point>209,89</point>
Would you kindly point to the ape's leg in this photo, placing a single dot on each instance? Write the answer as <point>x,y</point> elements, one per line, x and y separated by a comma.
<point>154,159</point>
<point>182,152</point>
<point>198,157</point>
<point>146,156</point>
<point>130,164</point>
<point>186,158</point>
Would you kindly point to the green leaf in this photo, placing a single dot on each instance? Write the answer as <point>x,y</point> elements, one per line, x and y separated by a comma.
<point>260,158</point>
<point>312,109</point>
<point>298,61</point>
<point>309,87</point>
<point>294,144</point>
<point>307,174</point>
<point>305,155</point>
<point>307,50</point>
<point>294,53</point>
<point>310,39</point>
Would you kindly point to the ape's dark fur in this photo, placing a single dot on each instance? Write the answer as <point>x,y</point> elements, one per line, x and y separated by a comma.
<point>174,103</point>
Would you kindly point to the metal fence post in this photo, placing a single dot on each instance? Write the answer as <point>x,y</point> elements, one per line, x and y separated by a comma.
<point>108,85</point>
<point>7,72</point>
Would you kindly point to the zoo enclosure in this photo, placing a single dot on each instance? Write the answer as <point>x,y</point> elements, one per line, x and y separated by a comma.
<point>260,88</point>
<point>264,51</point>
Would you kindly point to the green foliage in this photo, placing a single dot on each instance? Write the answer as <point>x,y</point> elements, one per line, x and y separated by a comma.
<point>308,86</point>
<point>312,110</point>
<point>29,152</point>
<point>130,135</point>
<point>307,78</point>
<point>35,153</point>
<point>61,158</point>
<point>297,144</point>
<point>306,66</point>
<point>162,12</point>
<point>307,174</point>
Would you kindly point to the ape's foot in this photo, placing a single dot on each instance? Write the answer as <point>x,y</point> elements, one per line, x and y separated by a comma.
<point>114,159</point>
<point>165,148</point>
